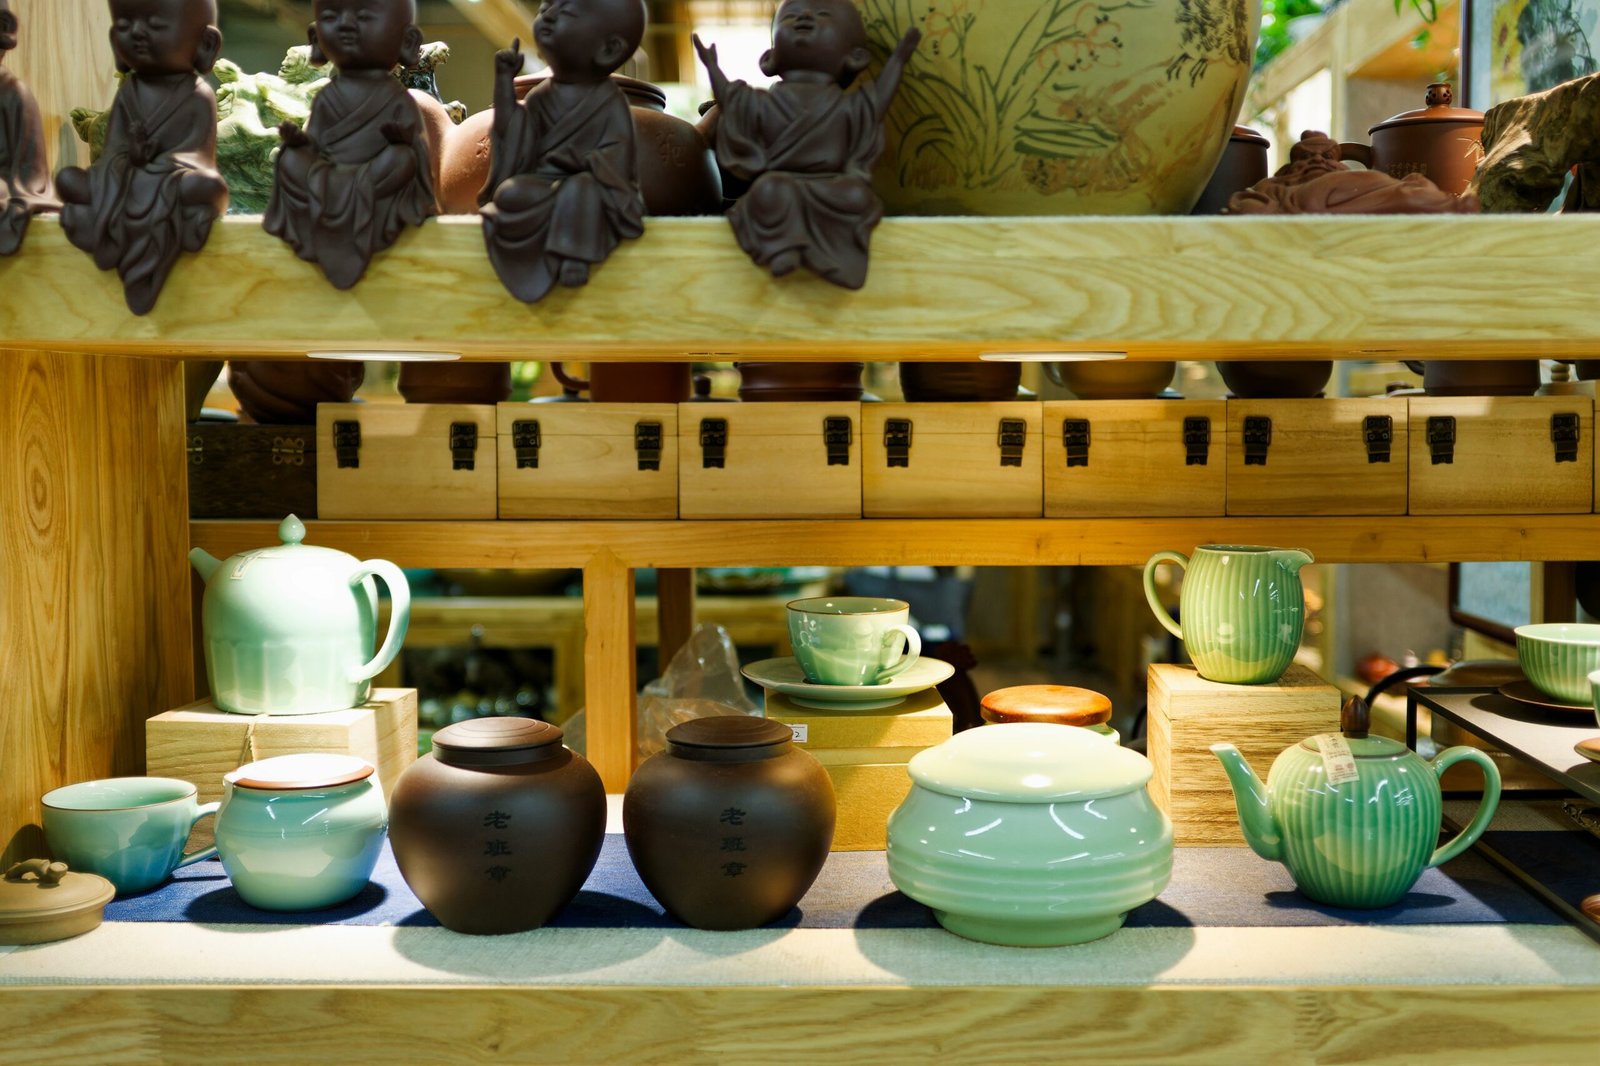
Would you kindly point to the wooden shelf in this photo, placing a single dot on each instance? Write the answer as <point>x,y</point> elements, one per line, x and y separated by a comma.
<point>1199,288</point>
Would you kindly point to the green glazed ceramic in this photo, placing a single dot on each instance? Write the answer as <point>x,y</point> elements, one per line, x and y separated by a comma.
<point>852,640</point>
<point>1594,694</point>
<point>1558,658</point>
<point>1030,834</point>
<point>1242,608</point>
<point>290,629</point>
<point>129,830</point>
<point>1362,842</point>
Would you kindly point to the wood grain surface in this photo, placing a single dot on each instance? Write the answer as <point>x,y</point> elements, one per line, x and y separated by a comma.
<point>1503,460</point>
<point>775,462</point>
<point>1137,459</point>
<point>94,584</point>
<point>610,674</point>
<point>953,468</point>
<point>587,463</point>
<point>1317,461</point>
<point>64,54</point>
<point>405,467</point>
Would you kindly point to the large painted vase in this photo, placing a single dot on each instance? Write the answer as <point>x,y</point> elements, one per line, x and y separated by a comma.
<point>1060,107</point>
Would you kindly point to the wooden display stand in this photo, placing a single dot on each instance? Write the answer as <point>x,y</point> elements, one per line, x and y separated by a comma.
<point>865,756</point>
<point>1188,714</point>
<point>199,743</point>
<point>769,460</point>
<point>413,460</point>
<point>588,460</point>
<point>1126,458</point>
<point>1502,455</point>
<point>238,470</point>
<point>972,460</point>
<point>1317,457</point>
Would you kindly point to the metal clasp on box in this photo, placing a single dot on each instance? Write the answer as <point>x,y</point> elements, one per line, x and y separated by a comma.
<point>463,445</point>
<point>1442,439</point>
<point>526,439</point>
<point>647,443</point>
<point>197,450</point>
<point>1257,439</point>
<point>1013,439</point>
<point>897,440</point>
<point>837,434</point>
<point>714,443</point>
<point>288,451</point>
<point>1378,431</point>
<point>1196,440</point>
<point>347,443</point>
<point>1075,438</point>
<point>1564,434</point>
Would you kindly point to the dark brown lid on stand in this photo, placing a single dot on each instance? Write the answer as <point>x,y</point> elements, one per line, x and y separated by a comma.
<point>42,901</point>
<point>1061,704</point>
<point>738,735</point>
<point>497,742</point>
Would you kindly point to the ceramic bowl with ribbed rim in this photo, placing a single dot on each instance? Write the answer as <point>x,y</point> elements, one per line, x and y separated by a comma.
<point>1558,658</point>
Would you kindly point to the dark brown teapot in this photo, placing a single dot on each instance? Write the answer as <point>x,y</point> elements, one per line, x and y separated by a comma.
<point>1243,163</point>
<point>1440,142</point>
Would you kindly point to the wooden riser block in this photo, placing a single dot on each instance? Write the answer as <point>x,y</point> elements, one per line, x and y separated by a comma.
<point>199,743</point>
<point>1502,455</point>
<point>981,460</point>
<point>1187,714</point>
<point>401,460</point>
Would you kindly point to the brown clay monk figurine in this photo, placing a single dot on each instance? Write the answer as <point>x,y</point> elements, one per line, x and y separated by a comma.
<point>155,190</point>
<point>806,145</point>
<point>563,188</point>
<point>361,170</point>
<point>1316,182</point>
<point>24,174</point>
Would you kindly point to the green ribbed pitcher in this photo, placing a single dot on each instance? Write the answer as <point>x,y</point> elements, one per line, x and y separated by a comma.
<point>1242,609</point>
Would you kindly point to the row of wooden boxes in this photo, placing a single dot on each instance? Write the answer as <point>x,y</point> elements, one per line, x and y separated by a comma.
<point>1099,458</point>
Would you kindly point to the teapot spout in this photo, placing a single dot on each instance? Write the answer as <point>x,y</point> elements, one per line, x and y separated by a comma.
<point>1292,559</point>
<point>204,562</point>
<point>1250,797</point>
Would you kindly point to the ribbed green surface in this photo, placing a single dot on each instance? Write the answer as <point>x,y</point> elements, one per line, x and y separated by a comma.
<point>1558,658</point>
<point>1242,614</point>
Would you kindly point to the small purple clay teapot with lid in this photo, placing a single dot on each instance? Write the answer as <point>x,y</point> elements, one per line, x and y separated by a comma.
<point>1441,142</point>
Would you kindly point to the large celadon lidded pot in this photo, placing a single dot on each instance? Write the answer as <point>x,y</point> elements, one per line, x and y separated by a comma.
<point>290,629</point>
<point>1060,107</point>
<point>1030,834</point>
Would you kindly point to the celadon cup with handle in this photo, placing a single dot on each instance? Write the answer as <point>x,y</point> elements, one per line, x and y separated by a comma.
<point>852,640</point>
<point>1242,606</point>
<point>129,830</point>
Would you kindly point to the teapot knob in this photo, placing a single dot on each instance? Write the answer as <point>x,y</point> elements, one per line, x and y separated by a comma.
<point>1439,95</point>
<point>1354,718</point>
<point>291,530</point>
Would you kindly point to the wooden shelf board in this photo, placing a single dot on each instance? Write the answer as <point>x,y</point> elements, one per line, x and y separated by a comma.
<point>947,288</point>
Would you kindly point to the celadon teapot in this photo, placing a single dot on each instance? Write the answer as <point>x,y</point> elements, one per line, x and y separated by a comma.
<point>289,629</point>
<point>1354,817</point>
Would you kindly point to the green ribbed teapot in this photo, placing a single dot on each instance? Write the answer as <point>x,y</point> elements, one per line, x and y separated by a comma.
<point>1356,828</point>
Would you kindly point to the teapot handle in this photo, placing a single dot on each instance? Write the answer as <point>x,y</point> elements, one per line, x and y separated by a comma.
<point>1360,153</point>
<point>1177,559</point>
<point>1491,799</point>
<point>399,614</point>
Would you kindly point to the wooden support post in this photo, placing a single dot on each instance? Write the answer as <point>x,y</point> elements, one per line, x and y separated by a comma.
<point>608,646</point>
<point>675,618</point>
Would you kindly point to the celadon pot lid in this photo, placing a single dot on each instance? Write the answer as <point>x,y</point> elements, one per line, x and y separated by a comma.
<point>1030,762</point>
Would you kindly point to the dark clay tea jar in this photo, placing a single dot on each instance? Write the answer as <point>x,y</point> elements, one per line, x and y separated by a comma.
<point>731,823</point>
<point>497,829</point>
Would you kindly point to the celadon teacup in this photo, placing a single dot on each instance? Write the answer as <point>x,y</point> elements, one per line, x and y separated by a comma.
<point>1594,694</point>
<point>129,830</point>
<point>852,640</point>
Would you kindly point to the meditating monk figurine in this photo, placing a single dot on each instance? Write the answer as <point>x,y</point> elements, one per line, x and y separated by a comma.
<point>155,190</point>
<point>24,174</point>
<point>563,188</point>
<point>361,170</point>
<point>806,144</point>
<point>1316,182</point>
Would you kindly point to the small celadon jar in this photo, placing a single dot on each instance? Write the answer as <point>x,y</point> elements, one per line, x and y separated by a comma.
<point>301,832</point>
<point>1031,835</point>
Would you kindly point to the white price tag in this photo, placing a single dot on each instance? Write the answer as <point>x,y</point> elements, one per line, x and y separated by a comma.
<point>1337,762</point>
<point>801,732</point>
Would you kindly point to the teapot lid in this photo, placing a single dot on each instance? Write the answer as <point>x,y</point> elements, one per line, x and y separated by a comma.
<point>311,770</point>
<point>32,907</point>
<point>1438,109</point>
<point>1354,719</point>
<point>1030,762</point>
<point>499,741</point>
<point>729,731</point>
<point>1249,136</point>
<point>1062,704</point>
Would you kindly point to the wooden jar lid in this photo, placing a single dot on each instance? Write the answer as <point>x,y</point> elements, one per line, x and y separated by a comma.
<point>304,772</point>
<point>1062,704</point>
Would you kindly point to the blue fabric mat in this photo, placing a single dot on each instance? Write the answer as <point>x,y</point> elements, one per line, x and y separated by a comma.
<point>1210,887</point>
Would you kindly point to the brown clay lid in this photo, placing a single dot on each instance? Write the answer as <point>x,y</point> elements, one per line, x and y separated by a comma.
<point>1438,109</point>
<point>1249,136</point>
<point>42,901</point>
<point>289,773</point>
<point>1047,703</point>
<point>729,731</point>
<point>497,734</point>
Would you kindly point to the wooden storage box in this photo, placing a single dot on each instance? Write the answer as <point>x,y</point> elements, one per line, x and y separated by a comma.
<point>865,755</point>
<point>406,460</point>
<point>588,460</point>
<point>769,460</point>
<point>1502,454</point>
<point>241,470</point>
<point>1317,457</point>
<point>199,743</point>
<point>1188,714</point>
<point>1132,458</point>
<point>944,460</point>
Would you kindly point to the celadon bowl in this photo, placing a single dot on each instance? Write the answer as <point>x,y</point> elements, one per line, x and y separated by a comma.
<point>1558,658</point>
<point>1030,835</point>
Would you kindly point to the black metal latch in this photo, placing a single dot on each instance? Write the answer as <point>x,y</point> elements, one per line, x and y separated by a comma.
<point>526,439</point>
<point>1075,438</point>
<point>196,450</point>
<point>1196,440</point>
<point>713,443</point>
<point>1564,434</point>
<point>897,440</point>
<point>647,443</point>
<point>1442,439</point>
<point>463,445</point>
<point>347,443</point>
<point>1013,439</point>
<point>837,434</point>
<point>1257,439</point>
<point>1379,433</point>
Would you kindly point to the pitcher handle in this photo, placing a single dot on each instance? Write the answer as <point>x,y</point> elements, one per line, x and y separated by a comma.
<point>399,614</point>
<point>568,381</point>
<point>1491,799</point>
<point>206,811</point>
<point>1181,561</point>
<point>1360,153</point>
<point>912,652</point>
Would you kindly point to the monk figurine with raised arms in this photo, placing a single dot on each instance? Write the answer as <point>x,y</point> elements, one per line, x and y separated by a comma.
<point>563,188</point>
<point>24,175</point>
<point>155,190</point>
<point>361,170</point>
<point>806,145</point>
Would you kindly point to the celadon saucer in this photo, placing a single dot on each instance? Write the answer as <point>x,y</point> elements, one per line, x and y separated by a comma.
<point>784,675</point>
